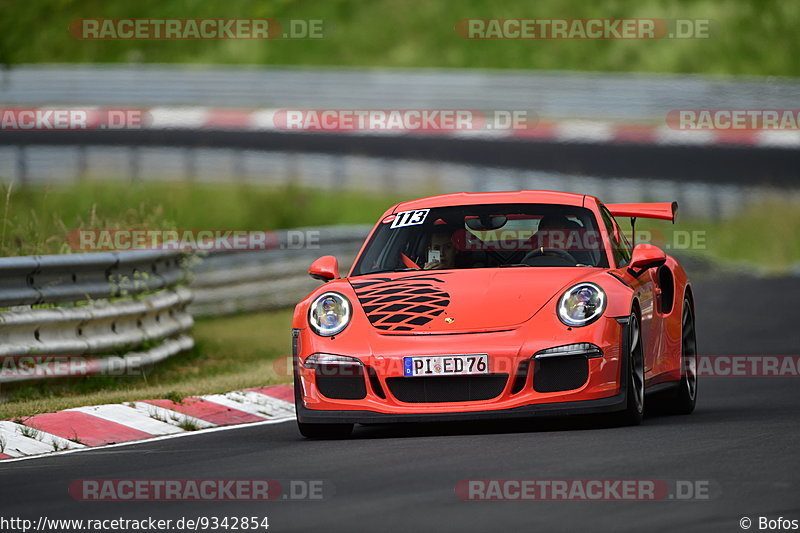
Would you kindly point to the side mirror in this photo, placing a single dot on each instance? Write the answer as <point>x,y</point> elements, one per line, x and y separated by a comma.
<point>325,268</point>
<point>645,257</point>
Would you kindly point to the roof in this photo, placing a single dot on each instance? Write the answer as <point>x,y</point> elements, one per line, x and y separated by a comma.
<point>504,197</point>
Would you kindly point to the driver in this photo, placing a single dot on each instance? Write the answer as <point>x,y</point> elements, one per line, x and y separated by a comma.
<point>554,232</point>
<point>441,242</point>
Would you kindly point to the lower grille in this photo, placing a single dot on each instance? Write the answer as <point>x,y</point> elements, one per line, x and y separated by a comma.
<point>440,389</point>
<point>554,374</point>
<point>375,383</point>
<point>341,382</point>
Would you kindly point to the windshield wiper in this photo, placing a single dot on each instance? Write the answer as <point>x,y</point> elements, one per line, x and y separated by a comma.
<point>527,265</point>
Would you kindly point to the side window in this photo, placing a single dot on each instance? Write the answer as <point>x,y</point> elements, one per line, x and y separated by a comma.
<point>625,250</point>
<point>622,250</point>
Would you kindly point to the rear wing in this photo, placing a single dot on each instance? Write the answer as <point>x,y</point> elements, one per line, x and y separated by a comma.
<point>663,210</point>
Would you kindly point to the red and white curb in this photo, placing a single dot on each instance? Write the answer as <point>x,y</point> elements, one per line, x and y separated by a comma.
<point>114,424</point>
<point>566,131</point>
<point>590,131</point>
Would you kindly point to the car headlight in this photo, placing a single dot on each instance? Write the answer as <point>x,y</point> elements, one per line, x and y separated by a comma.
<point>581,304</point>
<point>329,314</point>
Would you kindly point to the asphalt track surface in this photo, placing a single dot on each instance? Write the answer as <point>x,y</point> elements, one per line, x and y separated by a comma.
<point>743,439</point>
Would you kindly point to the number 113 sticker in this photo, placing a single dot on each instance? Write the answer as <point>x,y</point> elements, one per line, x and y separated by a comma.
<point>409,218</point>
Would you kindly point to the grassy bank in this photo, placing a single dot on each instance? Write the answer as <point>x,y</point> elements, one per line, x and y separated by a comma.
<point>750,37</point>
<point>37,220</point>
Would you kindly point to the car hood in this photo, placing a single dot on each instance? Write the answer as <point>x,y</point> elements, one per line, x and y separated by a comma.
<point>451,301</point>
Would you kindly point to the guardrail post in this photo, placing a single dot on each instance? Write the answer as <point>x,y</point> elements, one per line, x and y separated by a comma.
<point>133,163</point>
<point>388,174</point>
<point>340,172</point>
<point>82,162</point>
<point>291,177</point>
<point>190,163</point>
<point>22,164</point>
<point>238,164</point>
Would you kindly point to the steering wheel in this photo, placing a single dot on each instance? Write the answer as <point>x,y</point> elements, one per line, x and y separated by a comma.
<point>563,254</point>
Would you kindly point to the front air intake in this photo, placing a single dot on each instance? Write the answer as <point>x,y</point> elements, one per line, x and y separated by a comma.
<point>341,382</point>
<point>442,389</point>
<point>554,374</point>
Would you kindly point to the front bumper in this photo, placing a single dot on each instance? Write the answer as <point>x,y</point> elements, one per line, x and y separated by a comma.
<point>585,407</point>
<point>603,391</point>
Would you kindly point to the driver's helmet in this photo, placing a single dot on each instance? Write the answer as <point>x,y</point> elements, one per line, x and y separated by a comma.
<point>552,232</point>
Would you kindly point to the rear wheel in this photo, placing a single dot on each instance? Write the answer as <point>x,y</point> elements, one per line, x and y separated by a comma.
<point>634,392</point>
<point>684,397</point>
<point>325,431</point>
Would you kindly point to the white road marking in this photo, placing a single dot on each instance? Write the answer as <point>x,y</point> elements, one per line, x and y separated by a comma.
<point>130,417</point>
<point>253,403</point>
<point>151,419</point>
<point>144,441</point>
<point>778,138</point>
<point>16,444</point>
<point>169,416</point>
<point>583,130</point>
<point>666,135</point>
<point>178,117</point>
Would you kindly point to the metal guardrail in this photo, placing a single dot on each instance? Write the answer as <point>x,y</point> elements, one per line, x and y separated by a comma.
<point>123,309</point>
<point>234,282</point>
<point>722,164</point>
<point>65,278</point>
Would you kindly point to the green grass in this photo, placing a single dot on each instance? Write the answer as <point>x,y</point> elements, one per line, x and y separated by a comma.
<point>230,354</point>
<point>37,220</point>
<point>751,37</point>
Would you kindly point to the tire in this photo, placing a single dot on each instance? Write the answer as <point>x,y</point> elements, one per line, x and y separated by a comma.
<point>325,431</point>
<point>634,391</point>
<point>684,398</point>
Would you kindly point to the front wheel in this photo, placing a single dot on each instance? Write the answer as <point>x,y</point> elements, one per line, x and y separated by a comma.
<point>634,392</point>
<point>325,431</point>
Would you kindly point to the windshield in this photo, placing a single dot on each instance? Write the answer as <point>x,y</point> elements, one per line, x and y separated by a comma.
<point>484,236</point>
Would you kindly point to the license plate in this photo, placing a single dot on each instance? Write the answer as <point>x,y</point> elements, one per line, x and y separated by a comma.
<point>446,365</point>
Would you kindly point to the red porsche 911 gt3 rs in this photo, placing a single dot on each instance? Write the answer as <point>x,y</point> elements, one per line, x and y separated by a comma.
<point>475,306</point>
